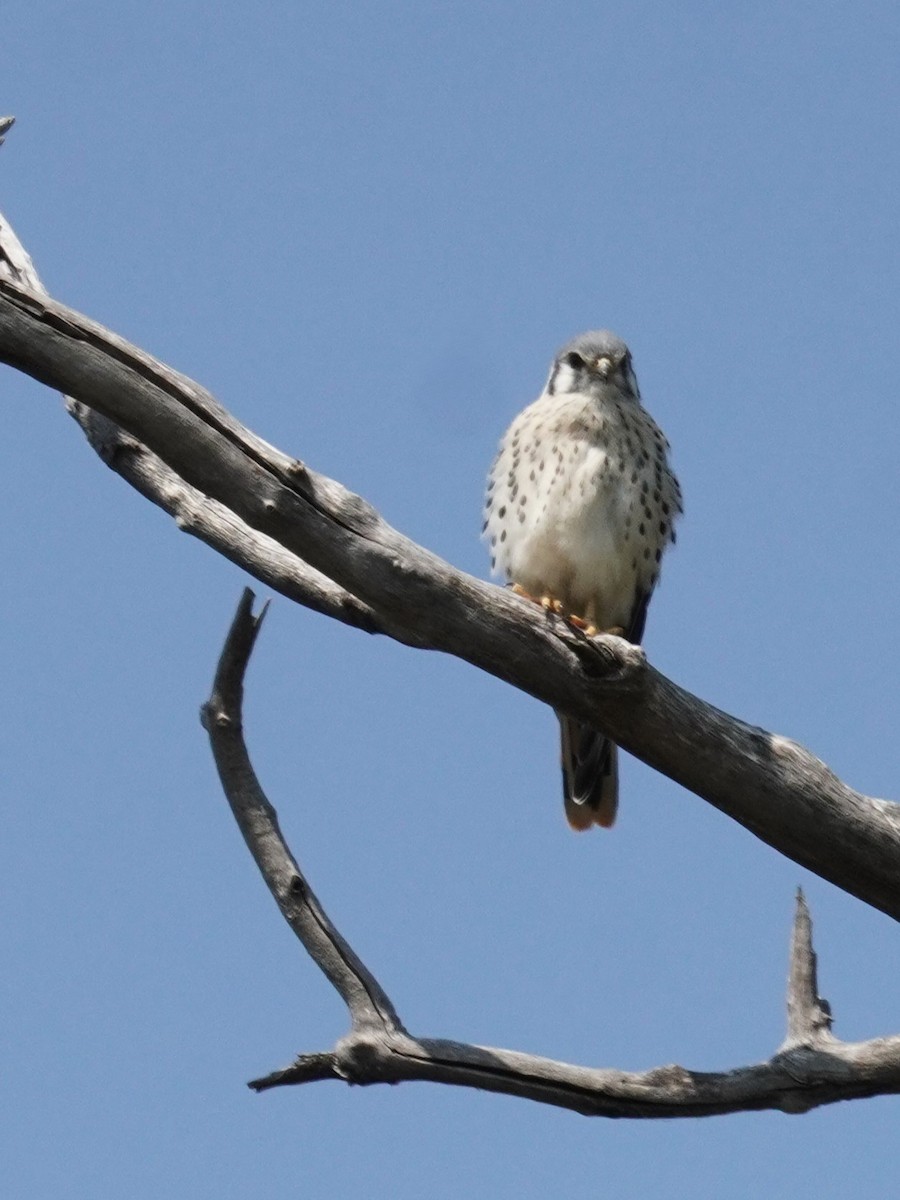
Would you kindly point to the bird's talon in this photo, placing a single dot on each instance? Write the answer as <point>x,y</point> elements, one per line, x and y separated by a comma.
<point>585,626</point>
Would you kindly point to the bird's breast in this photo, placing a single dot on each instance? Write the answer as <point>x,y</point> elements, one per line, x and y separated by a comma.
<point>575,507</point>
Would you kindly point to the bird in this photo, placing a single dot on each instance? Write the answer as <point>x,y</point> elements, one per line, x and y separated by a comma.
<point>581,505</point>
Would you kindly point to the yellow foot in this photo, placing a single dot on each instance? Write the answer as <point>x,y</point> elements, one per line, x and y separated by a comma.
<point>547,602</point>
<point>556,607</point>
<point>550,604</point>
<point>587,628</point>
<point>592,630</point>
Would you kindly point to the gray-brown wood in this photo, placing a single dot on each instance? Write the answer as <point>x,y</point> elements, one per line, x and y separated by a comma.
<point>193,512</point>
<point>811,1068</point>
<point>309,538</point>
<point>809,1016</point>
<point>350,563</point>
<point>258,822</point>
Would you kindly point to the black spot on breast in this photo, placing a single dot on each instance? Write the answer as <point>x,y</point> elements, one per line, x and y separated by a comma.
<point>503,536</point>
<point>501,511</point>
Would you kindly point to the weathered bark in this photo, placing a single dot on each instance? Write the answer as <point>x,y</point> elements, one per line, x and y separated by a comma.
<point>309,538</point>
<point>811,1068</point>
<point>337,555</point>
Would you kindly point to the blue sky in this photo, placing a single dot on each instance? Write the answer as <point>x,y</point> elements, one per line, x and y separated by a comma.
<point>368,227</point>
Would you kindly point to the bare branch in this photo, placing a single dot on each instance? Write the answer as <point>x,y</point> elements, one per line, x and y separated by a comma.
<point>309,538</point>
<point>786,1083</point>
<point>771,785</point>
<point>812,1068</point>
<point>217,525</point>
<point>369,1006</point>
<point>194,512</point>
<point>314,541</point>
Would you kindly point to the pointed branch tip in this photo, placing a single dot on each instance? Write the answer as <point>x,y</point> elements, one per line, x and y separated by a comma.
<point>809,1016</point>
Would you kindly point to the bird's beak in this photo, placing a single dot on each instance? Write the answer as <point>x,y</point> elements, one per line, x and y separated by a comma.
<point>606,364</point>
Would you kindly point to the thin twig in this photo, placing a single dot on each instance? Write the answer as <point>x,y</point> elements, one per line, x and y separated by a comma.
<point>258,821</point>
<point>217,526</point>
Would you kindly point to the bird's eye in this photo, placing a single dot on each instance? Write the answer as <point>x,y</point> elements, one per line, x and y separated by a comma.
<point>575,361</point>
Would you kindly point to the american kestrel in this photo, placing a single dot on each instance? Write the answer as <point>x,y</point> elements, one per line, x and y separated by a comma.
<point>581,504</point>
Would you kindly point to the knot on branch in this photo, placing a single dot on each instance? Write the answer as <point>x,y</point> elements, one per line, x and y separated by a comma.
<point>607,657</point>
<point>363,1057</point>
<point>213,716</point>
<point>671,1076</point>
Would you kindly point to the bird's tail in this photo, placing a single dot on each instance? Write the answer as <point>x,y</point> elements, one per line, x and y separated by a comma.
<point>590,769</point>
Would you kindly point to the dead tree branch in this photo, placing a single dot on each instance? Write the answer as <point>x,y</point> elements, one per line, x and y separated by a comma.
<point>309,538</point>
<point>327,548</point>
<point>810,1069</point>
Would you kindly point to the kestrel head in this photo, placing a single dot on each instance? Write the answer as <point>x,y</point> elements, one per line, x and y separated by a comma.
<point>593,363</point>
